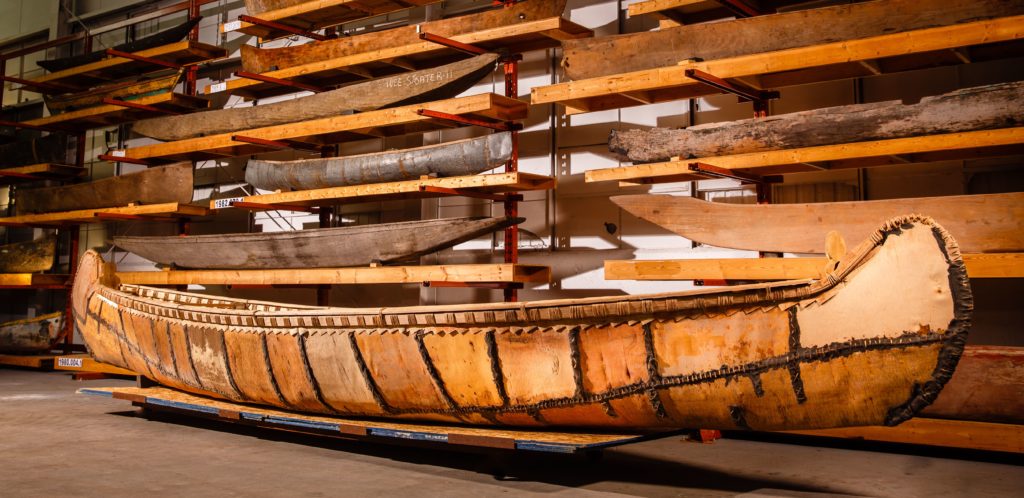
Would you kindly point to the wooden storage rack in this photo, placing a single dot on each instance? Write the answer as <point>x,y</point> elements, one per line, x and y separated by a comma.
<point>936,432</point>
<point>677,12</point>
<point>43,171</point>
<point>123,111</point>
<point>37,361</point>
<point>945,45</point>
<point>310,16</point>
<point>151,212</point>
<point>33,281</point>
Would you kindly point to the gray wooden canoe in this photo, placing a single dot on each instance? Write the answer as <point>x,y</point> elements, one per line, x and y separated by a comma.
<point>31,335</point>
<point>28,257</point>
<point>426,85</point>
<point>319,248</point>
<point>463,157</point>
<point>172,183</point>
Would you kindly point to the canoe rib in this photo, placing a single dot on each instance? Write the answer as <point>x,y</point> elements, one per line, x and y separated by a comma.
<point>459,158</point>
<point>164,184</point>
<point>28,257</point>
<point>552,362</point>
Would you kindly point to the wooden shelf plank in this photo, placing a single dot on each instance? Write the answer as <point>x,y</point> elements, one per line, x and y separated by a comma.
<point>859,154</point>
<point>32,280</point>
<point>831,61</point>
<point>936,432</point>
<point>43,171</point>
<point>41,362</point>
<point>993,265</point>
<point>81,216</point>
<point>535,35</point>
<point>316,14</point>
<point>411,189</point>
<point>107,114</point>
<point>395,121</point>
<point>84,363</point>
<point>112,68</point>
<point>479,273</point>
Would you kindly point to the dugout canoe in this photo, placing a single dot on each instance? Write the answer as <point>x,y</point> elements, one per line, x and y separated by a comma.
<point>165,37</point>
<point>52,148</point>
<point>171,183</point>
<point>319,248</point>
<point>981,223</point>
<point>988,386</point>
<point>261,60</point>
<point>871,344</point>
<point>459,158</point>
<point>426,85</point>
<point>31,335</point>
<point>125,90</point>
<point>28,257</point>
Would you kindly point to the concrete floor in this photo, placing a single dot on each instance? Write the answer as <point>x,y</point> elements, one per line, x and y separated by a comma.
<point>54,442</point>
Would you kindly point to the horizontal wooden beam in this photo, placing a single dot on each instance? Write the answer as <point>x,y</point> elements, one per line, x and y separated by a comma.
<point>950,142</point>
<point>502,272</point>
<point>935,432</point>
<point>32,280</point>
<point>171,209</point>
<point>40,361</point>
<point>411,189</point>
<point>84,363</point>
<point>40,171</point>
<point>111,114</point>
<point>316,14</point>
<point>989,265</point>
<point>670,83</point>
<point>655,6</point>
<point>185,53</point>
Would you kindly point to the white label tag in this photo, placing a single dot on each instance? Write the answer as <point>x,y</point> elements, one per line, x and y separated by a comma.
<point>69,362</point>
<point>225,203</point>
<point>218,87</point>
<point>117,153</point>
<point>232,26</point>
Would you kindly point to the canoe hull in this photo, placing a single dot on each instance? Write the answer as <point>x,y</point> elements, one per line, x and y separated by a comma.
<point>164,37</point>
<point>321,248</point>
<point>52,148</point>
<point>464,157</point>
<point>28,257</point>
<point>171,183</point>
<point>980,223</point>
<point>123,91</point>
<point>32,335</point>
<point>738,358</point>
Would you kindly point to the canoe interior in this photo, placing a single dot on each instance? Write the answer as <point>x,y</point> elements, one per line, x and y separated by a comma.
<point>128,90</point>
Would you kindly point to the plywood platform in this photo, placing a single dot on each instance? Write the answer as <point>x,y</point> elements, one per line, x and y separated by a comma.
<point>317,14</point>
<point>966,145</point>
<point>37,361</point>
<point>523,37</point>
<point>44,171</point>
<point>83,363</point>
<point>994,265</point>
<point>947,45</point>
<point>113,68</point>
<point>163,399</point>
<point>109,115</point>
<point>487,107</point>
<point>151,212</point>
<point>936,432</point>
<point>32,281</point>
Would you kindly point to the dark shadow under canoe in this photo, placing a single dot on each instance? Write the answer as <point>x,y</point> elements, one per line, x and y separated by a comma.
<point>318,248</point>
<point>172,183</point>
<point>164,37</point>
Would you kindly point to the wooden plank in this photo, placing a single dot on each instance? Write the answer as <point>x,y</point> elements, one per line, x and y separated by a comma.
<point>30,280</point>
<point>42,362</point>
<point>979,142</point>
<point>671,83</point>
<point>653,6</point>
<point>109,114</point>
<point>362,275</point>
<point>410,189</point>
<point>994,265</point>
<point>185,53</point>
<point>85,363</point>
<point>44,170</point>
<point>935,432</point>
<point>316,14</point>
<point>168,210</point>
<point>487,106</point>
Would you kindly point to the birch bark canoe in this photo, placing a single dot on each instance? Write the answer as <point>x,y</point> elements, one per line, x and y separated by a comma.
<point>607,55</point>
<point>261,60</point>
<point>459,158</point>
<point>31,335</point>
<point>988,386</point>
<point>165,37</point>
<point>405,89</point>
<point>171,183</point>
<point>128,90</point>
<point>871,344</point>
<point>28,257</point>
<point>981,223</point>
<point>52,148</point>
<point>970,109</point>
<point>318,248</point>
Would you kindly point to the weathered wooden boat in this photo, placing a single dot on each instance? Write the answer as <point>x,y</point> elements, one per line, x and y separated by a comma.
<point>462,157</point>
<point>319,248</point>
<point>872,343</point>
<point>52,148</point>
<point>165,37</point>
<point>970,109</point>
<point>28,257</point>
<point>260,60</point>
<point>171,183</point>
<point>31,335</point>
<point>124,90</point>
<point>607,55</point>
<point>988,386</point>
<point>980,223</point>
<point>411,88</point>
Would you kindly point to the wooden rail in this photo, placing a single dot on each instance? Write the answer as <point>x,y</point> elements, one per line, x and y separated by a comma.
<point>501,272</point>
<point>45,171</point>
<point>936,432</point>
<point>83,363</point>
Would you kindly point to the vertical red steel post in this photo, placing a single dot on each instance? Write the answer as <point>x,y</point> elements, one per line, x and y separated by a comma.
<point>69,320</point>
<point>191,74</point>
<point>511,205</point>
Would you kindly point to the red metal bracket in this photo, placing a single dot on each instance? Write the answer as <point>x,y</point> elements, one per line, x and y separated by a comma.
<point>283,27</point>
<point>743,9</point>
<point>13,174</point>
<point>15,124</point>
<point>716,172</point>
<point>276,144</point>
<point>470,121</point>
<point>41,86</point>
<point>141,58</point>
<point>448,42</point>
<point>470,193</point>
<point>256,206</point>
<point>121,159</point>
<point>132,217</point>
<point>278,81</point>
<point>744,92</point>
<point>137,106</point>
<point>478,285</point>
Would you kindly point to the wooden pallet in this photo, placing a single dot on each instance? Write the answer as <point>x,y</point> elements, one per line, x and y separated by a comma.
<point>993,265</point>
<point>37,361</point>
<point>317,14</point>
<point>185,53</point>
<point>487,107</point>
<point>936,432</point>
<point>32,281</point>
<point>966,145</point>
<point>946,45</point>
<point>163,399</point>
<point>83,363</point>
<point>109,114</point>
<point>152,212</point>
<point>43,171</point>
<point>535,35</point>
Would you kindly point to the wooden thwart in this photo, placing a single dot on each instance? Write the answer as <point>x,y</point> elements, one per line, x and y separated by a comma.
<point>502,272</point>
<point>168,210</point>
<point>936,432</point>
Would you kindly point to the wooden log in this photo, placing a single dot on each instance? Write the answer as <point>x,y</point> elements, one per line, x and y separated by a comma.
<point>607,55</point>
<point>165,184</point>
<point>988,386</point>
<point>28,257</point>
<point>52,148</point>
<point>970,109</point>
